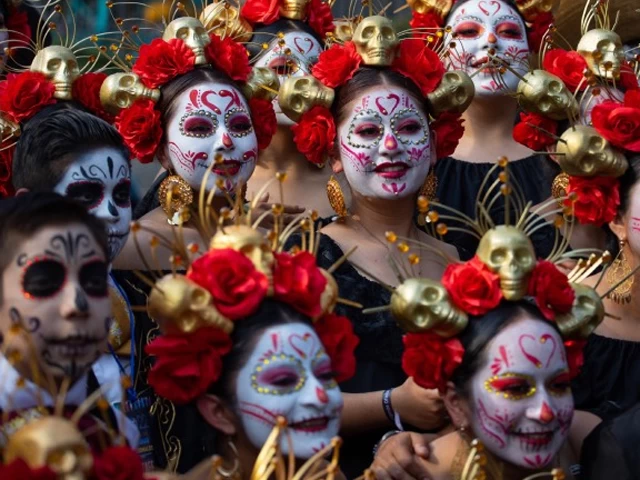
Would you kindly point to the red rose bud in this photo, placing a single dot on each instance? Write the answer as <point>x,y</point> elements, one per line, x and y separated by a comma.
<point>473,288</point>
<point>314,134</point>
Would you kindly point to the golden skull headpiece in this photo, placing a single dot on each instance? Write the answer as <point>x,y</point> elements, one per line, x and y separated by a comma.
<point>454,94</point>
<point>121,90</point>
<point>299,94</point>
<point>192,32</point>
<point>376,41</point>
<point>60,66</point>
<point>224,19</point>
<point>545,94</point>
<point>602,50</point>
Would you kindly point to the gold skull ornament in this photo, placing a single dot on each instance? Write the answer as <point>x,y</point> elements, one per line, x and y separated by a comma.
<point>259,78</point>
<point>192,32</point>
<point>440,7</point>
<point>545,94</point>
<point>60,66</point>
<point>585,153</point>
<point>530,9</point>
<point>603,52</point>
<point>294,9</point>
<point>344,29</point>
<point>180,306</point>
<point>586,314</point>
<point>376,41</point>
<point>508,252</point>
<point>8,128</point>
<point>52,442</point>
<point>420,304</point>
<point>121,90</point>
<point>224,20</point>
<point>248,241</point>
<point>454,94</point>
<point>298,95</point>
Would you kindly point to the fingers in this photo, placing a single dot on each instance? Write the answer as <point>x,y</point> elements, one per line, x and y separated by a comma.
<point>402,457</point>
<point>420,445</point>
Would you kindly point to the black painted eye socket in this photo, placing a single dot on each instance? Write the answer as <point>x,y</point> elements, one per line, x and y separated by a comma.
<point>93,278</point>
<point>43,278</point>
<point>89,194</point>
<point>122,194</point>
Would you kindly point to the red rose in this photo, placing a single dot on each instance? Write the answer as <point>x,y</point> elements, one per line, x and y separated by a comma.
<point>538,29</point>
<point>567,66</point>
<point>160,61</point>
<point>339,341</point>
<point>425,21</point>
<point>632,99</point>
<point>574,350</point>
<point>187,365</point>
<point>628,79</point>
<point>261,11</point>
<point>298,282</point>
<point>141,128</point>
<point>472,286</point>
<point>448,130</point>
<point>320,18</point>
<point>264,121</point>
<point>337,65</point>
<point>419,63</point>
<point>22,95</point>
<point>229,56</point>
<point>118,463</point>
<point>86,90</point>
<point>620,124</point>
<point>431,359</point>
<point>526,133</point>
<point>235,284</point>
<point>314,134</point>
<point>550,287</point>
<point>19,470</point>
<point>597,199</point>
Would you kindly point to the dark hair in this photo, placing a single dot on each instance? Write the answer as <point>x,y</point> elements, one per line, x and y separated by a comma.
<point>268,33</point>
<point>627,182</point>
<point>481,330</point>
<point>49,139</point>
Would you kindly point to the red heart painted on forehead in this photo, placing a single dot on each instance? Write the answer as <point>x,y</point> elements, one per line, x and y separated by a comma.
<point>492,4</point>
<point>304,345</point>
<point>207,103</point>
<point>547,343</point>
<point>297,41</point>
<point>388,104</point>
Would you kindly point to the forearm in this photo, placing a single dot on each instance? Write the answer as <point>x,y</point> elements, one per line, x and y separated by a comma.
<point>363,412</point>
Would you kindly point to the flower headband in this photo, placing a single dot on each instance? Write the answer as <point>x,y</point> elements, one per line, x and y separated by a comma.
<point>307,100</point>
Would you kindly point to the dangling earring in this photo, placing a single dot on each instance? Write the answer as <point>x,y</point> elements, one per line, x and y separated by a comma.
<point>220,473</point>
<point>336,197</point>
<point>430,186</point>
<point>175,196</point>
<point>618,270</point>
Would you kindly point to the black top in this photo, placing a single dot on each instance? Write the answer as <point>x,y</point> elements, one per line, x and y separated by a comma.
<point>460,181</point>
<point>609,381</point>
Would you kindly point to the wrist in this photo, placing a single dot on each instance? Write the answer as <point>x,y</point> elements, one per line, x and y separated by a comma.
<point>390,412</point>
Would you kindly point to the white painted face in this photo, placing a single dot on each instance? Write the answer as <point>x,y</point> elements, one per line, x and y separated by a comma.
<point>521,402</point>
<point>483,25</point>
<point>100,179</point>
<point>304,51</point>
<point>289,374</point>
<point>632,221</point>
<point>385,145</point>
<point>590,101</point>
<point>212,119</point>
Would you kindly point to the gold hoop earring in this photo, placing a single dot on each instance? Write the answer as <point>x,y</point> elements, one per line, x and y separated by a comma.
<point>430,186</point>
<point>619,270</point>
<point>220,473</point>
<point>175,196</point>
<point>336,197</point>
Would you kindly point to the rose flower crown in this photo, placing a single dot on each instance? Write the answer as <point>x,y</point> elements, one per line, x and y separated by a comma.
<point>590,153</point>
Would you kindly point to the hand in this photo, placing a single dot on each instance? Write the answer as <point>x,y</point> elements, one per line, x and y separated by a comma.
<point>263,205</point>
<point>418,406</point>
<point>402,457</point>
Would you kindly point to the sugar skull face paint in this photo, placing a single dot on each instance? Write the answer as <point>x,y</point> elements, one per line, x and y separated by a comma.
<point>385,145</point>
<point>56,288</point>
<point>100,179</point>
<point>211,120</point>
<point>289,374</point>
<point>484,27</point>
<point>522,405</point>
<point>291,56</point>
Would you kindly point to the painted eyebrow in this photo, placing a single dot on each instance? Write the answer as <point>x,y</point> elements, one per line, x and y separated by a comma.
<point>469,17</point>
<point>508,17</point>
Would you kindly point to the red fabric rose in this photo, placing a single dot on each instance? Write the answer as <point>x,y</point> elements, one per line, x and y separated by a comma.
<point>431,359</point>
<point>448,130</point>
<point>118,463</point>
<point>339,341</point>
<point>22,95</point>
<point>298,282</point>
<point>526,133</point>
<point>261,11</point>
<point>550,287</point>
<point>187,365</point>
<point>314,134</point>
<point>538,29</point>
<point>235,284</point>
<point>264,121</point>
<point>141,128</point>
<point>597,199</point>
<point>19,470</point>
<point>425,20</point>
<point>472,286</point>
<point>337,65</point>
<point>419,63</point>
<point>567,66</point>
<point>320,18</point>
<point>574,350</point>
<point>160,61</point>
<point>620,124</point>
<point>229,56</point>
<point>86,90</point>
<point>628,79</point>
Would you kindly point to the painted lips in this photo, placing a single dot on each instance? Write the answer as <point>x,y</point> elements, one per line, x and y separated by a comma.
<point>312,425</point>
<point>228,168</point>
<point>535,439</point>
<point>392,170</point>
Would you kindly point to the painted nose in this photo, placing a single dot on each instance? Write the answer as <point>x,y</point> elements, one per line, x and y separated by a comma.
<point>543,414</point>
<point>74,303</point>
<point>492,38</point>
